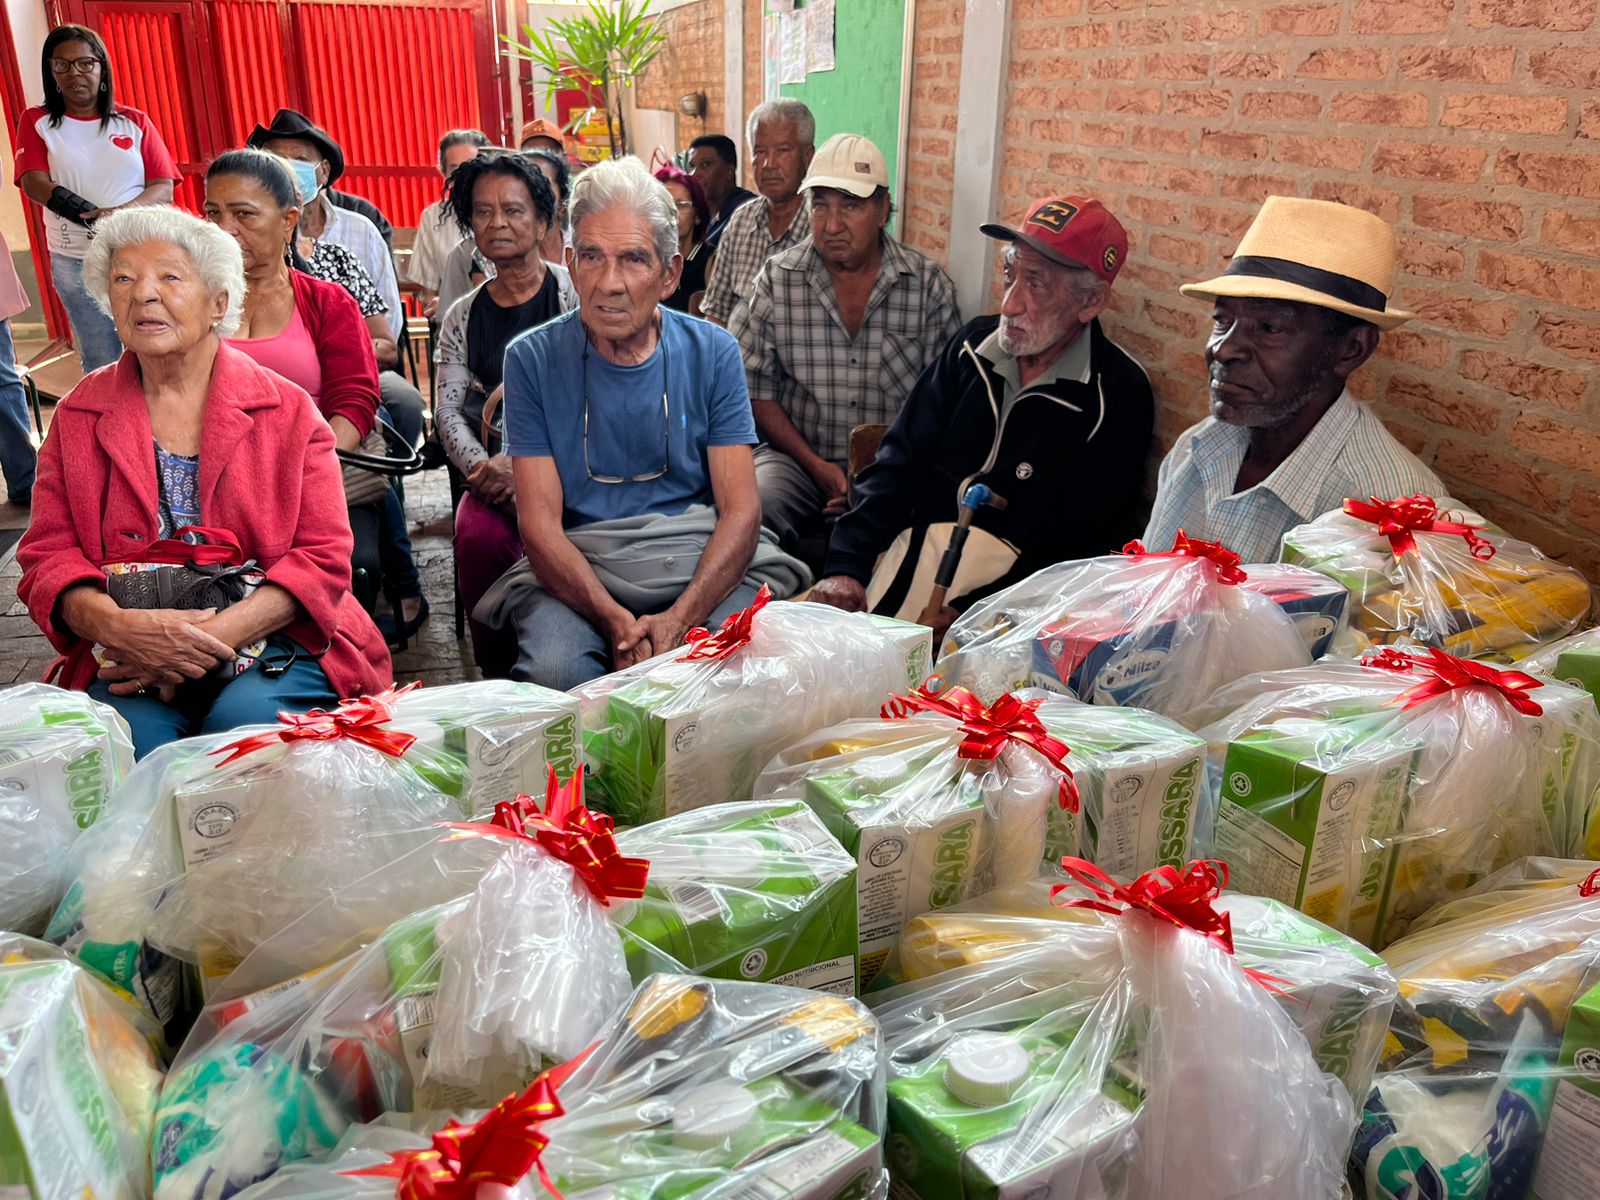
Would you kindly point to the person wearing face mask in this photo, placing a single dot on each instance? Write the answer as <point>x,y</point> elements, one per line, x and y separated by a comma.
<point>1037,403</point>
<point>782,143</point>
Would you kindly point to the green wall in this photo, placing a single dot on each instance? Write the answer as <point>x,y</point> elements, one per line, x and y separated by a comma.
<point>862,93</point>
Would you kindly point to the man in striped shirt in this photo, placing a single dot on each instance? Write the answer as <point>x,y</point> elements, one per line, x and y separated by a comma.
<point>1299,308</point>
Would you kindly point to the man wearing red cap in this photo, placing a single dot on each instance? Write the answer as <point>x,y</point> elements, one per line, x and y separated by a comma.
<point>1035,402</point>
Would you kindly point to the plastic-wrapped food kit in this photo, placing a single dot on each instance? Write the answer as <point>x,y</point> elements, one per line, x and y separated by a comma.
<point>1119,1051</point>
<point>1364,793</point>
<point>61,754</point>
<point>78,1080</point>
<point>449,1008</point>
<point>1489,1084</point>
<point>1441,576</point>
<point>206,851</point>
<point>934,808</point>
<point>697,1088</point>
<point>1158,631</point>
<point>695,726</point>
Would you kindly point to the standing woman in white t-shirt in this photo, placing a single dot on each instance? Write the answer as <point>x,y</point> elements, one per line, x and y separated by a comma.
<point>81,156</point>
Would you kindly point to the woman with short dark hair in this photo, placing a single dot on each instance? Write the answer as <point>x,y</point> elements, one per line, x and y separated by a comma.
<point>508,206</point>
<point>80,156</point>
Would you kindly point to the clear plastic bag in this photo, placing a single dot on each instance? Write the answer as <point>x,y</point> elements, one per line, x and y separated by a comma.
<point>1489,1076</point>
<point>1158,631</point>
<point>448,1009</point>
<point>61,755</point>
<point>1365,794</point>
<point>694,727</point>
<point>78,1080</point>
<point>930,816</point>
<point>1121,1056</point>
<point>505,734</point>
<point>1439,574</point>
<point>200,859</point>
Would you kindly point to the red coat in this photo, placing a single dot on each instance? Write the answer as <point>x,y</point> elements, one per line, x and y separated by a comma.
<point>267,473</point>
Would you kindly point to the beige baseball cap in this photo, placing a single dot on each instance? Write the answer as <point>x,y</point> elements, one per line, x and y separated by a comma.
<point>850,163</point>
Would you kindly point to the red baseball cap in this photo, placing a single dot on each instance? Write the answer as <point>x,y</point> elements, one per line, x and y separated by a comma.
<point>1073,231</point>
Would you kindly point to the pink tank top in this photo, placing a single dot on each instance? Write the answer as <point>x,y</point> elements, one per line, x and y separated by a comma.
<point>290,353</point>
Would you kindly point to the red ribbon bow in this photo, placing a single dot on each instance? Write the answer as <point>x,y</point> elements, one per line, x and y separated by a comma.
<point>1447,673</point>
<point>1182,898</point>
<point>1400,520</point>
<point>1184,546</point>
<point>500,1148</point>
<point>568,831</point>
<point>1590,886</point>
<point>360,720</point>
<point>735,632</point>
<point>988,729</point>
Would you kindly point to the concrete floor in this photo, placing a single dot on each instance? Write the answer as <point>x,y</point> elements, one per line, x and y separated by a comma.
<point>435,656</point>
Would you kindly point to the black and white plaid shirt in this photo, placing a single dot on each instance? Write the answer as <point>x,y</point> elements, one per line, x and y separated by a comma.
<point>746,243</point>
<point>797,352</point>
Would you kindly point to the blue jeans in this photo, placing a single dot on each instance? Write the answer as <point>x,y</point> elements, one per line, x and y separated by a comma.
<point>17,455</point>
<point>93,332</point>
<point>560,649</point>
<point>214,706</point>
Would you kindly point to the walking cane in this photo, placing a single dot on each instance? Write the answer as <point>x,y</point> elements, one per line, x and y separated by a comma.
<point>974,498</point>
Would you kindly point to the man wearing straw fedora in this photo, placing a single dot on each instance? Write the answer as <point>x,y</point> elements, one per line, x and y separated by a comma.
<point>1299,308</point>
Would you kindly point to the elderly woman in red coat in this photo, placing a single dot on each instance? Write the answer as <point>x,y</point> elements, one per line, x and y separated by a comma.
<point>176,453</point>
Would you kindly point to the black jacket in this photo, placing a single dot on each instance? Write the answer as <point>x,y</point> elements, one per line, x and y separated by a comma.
<point>1070,460</point>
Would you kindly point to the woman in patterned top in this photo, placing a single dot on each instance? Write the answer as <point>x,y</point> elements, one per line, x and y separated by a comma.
<point>508,205</point>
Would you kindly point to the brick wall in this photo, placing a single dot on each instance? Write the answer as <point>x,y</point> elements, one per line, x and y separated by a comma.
<point>1470,124</point>
<point>691,62</point>
<point>930,150</point>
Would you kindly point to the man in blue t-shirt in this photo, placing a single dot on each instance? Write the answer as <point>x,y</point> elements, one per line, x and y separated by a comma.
<point>619,409</point>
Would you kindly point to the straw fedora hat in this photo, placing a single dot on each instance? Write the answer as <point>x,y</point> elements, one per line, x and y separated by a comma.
<point>1314,252</point>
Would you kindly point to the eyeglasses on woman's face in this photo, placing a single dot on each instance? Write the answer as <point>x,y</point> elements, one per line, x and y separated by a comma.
<point>76,66</point>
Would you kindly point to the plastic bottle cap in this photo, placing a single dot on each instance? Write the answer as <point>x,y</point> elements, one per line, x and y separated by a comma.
<point>985,1069</point>
<point>708,1116</point>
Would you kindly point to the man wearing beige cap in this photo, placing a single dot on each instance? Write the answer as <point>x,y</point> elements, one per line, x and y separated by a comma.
<point>542,134</point>
<point>1299,308</point>
<point>834,334</point>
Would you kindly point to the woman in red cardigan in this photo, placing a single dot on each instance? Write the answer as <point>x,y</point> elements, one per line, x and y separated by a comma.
<point>184,431</point>
<point>312,333</point>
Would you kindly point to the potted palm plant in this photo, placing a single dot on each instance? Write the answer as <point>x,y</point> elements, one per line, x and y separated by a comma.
<point>599,51</point>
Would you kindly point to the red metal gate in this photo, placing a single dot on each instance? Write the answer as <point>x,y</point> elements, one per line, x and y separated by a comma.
<point>384,77</point>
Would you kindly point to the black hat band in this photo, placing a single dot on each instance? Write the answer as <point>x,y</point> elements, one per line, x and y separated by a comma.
<point>1329,283</point>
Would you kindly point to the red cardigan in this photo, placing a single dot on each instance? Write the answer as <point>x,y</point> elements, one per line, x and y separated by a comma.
<point>267,473</point>
<point>344,348</point>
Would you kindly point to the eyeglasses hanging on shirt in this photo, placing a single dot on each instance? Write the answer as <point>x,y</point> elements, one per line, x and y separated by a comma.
<point>646,477</point>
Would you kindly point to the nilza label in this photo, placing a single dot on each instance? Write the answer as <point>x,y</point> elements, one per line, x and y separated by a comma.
<point>1125,672</point>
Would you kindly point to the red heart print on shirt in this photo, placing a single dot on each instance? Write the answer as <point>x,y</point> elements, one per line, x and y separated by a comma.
<point>122,141</point>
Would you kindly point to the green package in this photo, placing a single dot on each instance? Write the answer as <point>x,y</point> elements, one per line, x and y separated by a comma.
<point>1139,778</point>
<point>949,1146</point>
<point>915,643</point>
<point>1568,1167</point>
<point>78,1083</point>
<point>768,1140</point>
<point>1309,815</point>
<point>758,891</point>
<point>915,849</point>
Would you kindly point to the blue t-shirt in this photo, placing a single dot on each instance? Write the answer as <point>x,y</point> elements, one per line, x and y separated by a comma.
<point>708,404</point>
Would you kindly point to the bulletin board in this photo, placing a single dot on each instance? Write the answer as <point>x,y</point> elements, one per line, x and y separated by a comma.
<point>861,93</point>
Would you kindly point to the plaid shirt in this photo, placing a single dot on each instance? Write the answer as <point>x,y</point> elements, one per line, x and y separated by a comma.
<point>1347,453</point>
<point>796,350</point>
<point>743,246</point>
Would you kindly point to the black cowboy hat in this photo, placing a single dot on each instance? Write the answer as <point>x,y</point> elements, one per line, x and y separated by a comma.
<point>287,123</point>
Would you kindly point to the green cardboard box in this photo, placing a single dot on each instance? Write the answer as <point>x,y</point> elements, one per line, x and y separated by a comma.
<point>1139,779</point>
<point>1580,666</point>
<point>943,1148</point>
<point>757,891</point>
<point>915,643</point>
<point>914,851</point>
<point>1302,806</point>
<point>1569,1168</point>
<point>502,738</point>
